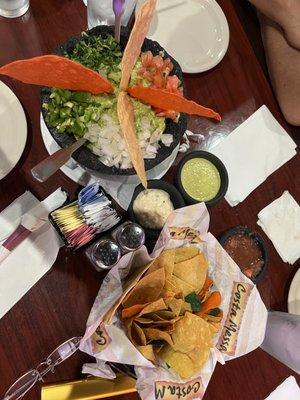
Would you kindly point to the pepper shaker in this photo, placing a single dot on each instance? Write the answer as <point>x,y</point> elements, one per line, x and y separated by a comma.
<point>129,236</point>
<point>105,254</point>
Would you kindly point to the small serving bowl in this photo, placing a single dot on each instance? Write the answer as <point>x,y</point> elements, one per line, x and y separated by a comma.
<point>220,167</point>
<point>243,230</point>
<point>175,197</point>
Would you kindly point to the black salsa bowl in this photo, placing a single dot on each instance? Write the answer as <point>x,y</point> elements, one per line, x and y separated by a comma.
<point>84,156</point>
<point>244,230</point>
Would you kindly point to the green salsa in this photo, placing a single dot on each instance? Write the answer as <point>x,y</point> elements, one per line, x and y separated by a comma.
<point>200,179</point>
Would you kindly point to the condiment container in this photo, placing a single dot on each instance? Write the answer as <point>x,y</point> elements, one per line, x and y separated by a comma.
<point>77,229</point>
<point>243,230</point>
<point>175,197</point>
<point>199,178</point>
<point>104,254</point>
<point>129,236</point>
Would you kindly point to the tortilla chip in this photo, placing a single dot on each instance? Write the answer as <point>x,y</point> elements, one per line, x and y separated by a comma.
<point>142,320</point>
<point>136,39</point>
<point>165,314</point>
<point>165,324</point>
<point>182,286</point>
<point>126,119</point>
<point>185,307</point>
<point>130,283</point>
<point>185,253</point>
<point>55,71</point>
<point>178,306</point>
<point>156,334</point>
<point>137,335</point>
<point>180,362</point>
<point>166,260</point>
<point>214,327</point>
<point>154,267</point>
<point>170,327</point>
<point>199,356</point>
<point>132,311</point>
<point>155,317</point>
<point>190,332</point>
<point>192,271</point>
<point>171,289</point>
<point>174,305</point>
<point>165,100</point>
<point>156,306</point>
<point>147,352</point>
<point>213,318</point>
<point>147,290</point>
<point>158,348</point>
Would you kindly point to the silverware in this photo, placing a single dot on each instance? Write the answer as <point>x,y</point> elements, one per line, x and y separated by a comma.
<point>42,171</point>
<point>118,8</point>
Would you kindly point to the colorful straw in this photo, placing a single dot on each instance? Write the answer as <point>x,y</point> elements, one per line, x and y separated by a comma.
<point>81,220</point>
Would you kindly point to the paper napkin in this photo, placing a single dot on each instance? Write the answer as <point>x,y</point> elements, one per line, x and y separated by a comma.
<point>280,220</point>
<point>252,152</point>
<point>32,258</point>
<point>287,390</point>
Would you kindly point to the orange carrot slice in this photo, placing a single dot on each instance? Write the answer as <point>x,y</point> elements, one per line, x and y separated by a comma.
<point>207,284</point>
<point>135,41</point>
<point>60,72</point>
<point>132,311</point>
<point>165,100</point>
<point>213,301</point>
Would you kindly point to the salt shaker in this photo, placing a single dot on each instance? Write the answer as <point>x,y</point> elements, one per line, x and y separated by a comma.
<point>105,253</point>
<point>129,236</point>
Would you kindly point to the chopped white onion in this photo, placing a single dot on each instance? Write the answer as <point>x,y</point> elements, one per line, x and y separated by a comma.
<point>109,144</point>
<point>167,139</point>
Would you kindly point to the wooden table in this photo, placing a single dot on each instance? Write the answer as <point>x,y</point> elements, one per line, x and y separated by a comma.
<point>56,308</point>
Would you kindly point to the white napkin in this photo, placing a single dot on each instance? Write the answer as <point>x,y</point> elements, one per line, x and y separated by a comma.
<point>252,152</point>
<point>29,261</point>
<point>287,390</point>
<point>280,220</point>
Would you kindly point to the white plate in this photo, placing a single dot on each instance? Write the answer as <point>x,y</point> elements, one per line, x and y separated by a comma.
<point>294,295</point>
<point>13,130</point>
<point>194,32</point>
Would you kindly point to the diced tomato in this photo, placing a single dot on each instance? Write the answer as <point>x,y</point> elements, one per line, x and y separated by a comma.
<point>147,59</point>
<point>158,63</point>
<point>157,71</point>
<point>167,114</point>
<point>159,82</point>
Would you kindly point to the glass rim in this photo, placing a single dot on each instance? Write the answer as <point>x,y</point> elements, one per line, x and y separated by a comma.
<point>74,340</point>
<point>19,391</point>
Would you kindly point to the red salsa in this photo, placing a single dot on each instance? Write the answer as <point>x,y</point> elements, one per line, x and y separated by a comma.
<point>246,252</point>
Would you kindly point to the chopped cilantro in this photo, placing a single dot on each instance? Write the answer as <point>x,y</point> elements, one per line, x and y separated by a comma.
<point>194,301</point>
<point>215,311</point>
<point>100,54</point>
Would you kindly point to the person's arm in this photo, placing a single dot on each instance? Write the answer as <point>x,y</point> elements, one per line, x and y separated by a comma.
<point>284,69</point>
<point>286,13</point>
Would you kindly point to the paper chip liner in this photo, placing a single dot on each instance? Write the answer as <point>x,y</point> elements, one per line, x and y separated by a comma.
<point>242,328</point>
